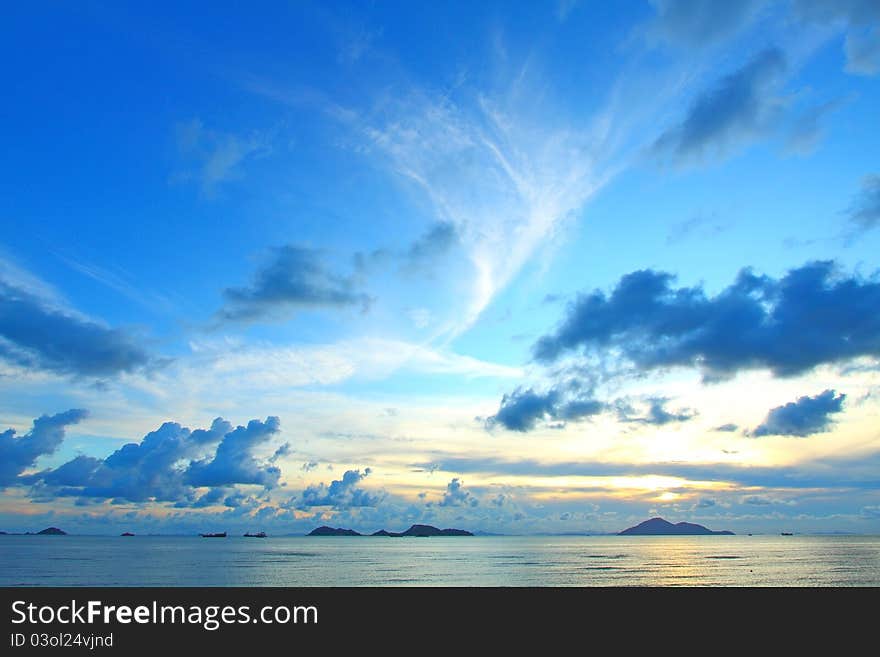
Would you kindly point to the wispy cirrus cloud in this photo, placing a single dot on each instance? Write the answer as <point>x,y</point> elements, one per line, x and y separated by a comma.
<point>530,175</point>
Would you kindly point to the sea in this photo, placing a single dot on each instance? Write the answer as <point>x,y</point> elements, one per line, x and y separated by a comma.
<point>441,561</point>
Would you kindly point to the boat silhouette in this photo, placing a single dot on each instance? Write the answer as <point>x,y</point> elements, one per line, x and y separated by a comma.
<point>257,535</point>
<point>219,535</point>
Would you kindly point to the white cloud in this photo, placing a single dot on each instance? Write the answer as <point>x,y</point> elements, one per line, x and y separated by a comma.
<point>229,362</point>
<point>215,157</point>
<point>507,181</point>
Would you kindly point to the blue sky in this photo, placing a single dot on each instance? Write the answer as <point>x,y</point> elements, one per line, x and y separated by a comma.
<point>542,268</point>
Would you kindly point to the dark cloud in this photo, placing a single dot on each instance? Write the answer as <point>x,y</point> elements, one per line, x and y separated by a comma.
<point>419,257</point>
<point>702,226</point>
<point>865,210</point>
<point>168,465</point>
<point>656,413</point>
<point>20,453</point>
<point>39,337</point>
<point>855,12</point>
<point>806,130</point>
<point>341,493</point>
<point>295,278</point>
<point>456,495</point>
<point>281,452</point>
<point>863,52</point>
<point>234,462</point>
<point>705,503</point>
<point>804,417</point>
<point>852,471</point>
<point>740,107</point>
<point>859,18</point>
<point>809,317</point>
<point>436,242</point>
<point>522,409</point>
<point>699,23</point>
<point>727,428</point>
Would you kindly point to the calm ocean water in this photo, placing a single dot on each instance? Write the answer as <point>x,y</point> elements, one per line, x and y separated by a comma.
<point>477,561</point>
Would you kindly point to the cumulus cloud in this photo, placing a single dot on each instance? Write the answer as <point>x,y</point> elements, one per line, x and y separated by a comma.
<point>456,495</point>
<point>804,417</point>
<point>295,278</point>
<point>699,23</point>
<point>811,316</point>
<point>740,107</point>
<point>865,210</point>
<point>40,336</point>
<point>234,462</point>
<point>655,414</point>
<point>341,493</point>
<point>523,409</point>
<point>17,453</point>
<point>169,465</point>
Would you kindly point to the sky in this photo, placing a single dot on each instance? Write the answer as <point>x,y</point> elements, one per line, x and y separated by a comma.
<point>550,267</point>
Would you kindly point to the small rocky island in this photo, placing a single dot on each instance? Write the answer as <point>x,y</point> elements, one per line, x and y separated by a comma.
<point>420,531</point>
<point>52,531</point>
<point>661,527</point>
<point>333,531</point>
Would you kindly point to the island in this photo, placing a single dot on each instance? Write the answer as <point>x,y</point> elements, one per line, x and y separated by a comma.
<point>421,531</point>
<point>52,531</point>
<point>333,531</point>
<point>661,527</point>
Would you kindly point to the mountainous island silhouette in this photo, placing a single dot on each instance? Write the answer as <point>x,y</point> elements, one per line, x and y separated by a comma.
<point>661,527</point>
<point>420,531</point>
